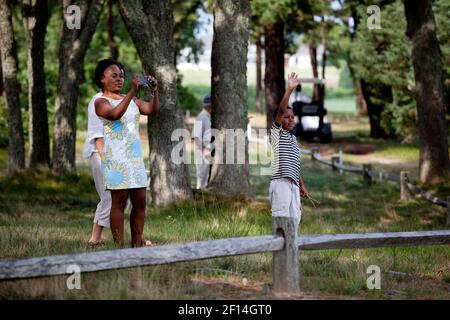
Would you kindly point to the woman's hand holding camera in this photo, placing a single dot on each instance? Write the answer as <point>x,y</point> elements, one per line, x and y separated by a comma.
<point>150,83</point>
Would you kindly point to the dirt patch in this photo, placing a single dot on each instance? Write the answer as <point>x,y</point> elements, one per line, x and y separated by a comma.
<point>243,289</point>
<point>360,149</point>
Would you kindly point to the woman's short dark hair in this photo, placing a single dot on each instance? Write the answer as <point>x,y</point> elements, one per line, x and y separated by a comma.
<point>101,67</point>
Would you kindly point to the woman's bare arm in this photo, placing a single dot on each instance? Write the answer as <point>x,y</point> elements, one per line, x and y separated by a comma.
<point>104,109</point>
<point>148,107</point>
<point>99,143</point>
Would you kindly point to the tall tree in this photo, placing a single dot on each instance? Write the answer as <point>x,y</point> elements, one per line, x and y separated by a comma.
<point>256,37</point>
<point>154,43</point>
<point>324,45</point>
<point>16,149</point>
<point>434,161</point>
<point>258,108</point>
<point>186,22</point>
<point>274,70</point>
<point>110,27</point>
<point>73,46</point>
<point>342,41</point>
<point>376,96</point>
<point>380,60</point>
<point>35,18</point>
<point>1,79</point>
<point>315,69</point>
<point>442,11</point>
<point>229,96</point>
<point>361,103</point>
<point>270,17</point>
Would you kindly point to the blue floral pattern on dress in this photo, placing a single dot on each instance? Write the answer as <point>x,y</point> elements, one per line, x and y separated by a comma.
<point>122,161</point>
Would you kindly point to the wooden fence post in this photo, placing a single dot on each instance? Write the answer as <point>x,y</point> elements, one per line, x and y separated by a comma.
<point>405,194</point>
<point>286,273</point>
<point>366,174</point>
<point>334,161</point>
<point>448,211</point>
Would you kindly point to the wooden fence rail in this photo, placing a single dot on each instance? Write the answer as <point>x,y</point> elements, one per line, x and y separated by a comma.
<point>336,163</point>
<point>373,240</point>
<point>428,196</point>
<point>136,257</point>
<point>284,244</point>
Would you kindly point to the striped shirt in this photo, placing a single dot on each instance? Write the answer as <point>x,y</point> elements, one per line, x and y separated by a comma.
<point>286,158</point>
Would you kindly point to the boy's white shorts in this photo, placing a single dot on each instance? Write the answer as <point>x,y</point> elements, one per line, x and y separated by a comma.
<point>284,196</point>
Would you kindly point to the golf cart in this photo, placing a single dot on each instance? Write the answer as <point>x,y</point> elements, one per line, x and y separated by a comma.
<point>310,115</point>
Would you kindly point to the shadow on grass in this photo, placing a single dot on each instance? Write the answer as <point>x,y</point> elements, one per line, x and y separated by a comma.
<point>35,183</point>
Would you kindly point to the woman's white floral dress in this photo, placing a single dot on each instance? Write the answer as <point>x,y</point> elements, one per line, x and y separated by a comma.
<point>122,162</point>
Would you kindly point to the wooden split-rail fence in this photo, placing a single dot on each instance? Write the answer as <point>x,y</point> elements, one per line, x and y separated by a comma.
<point>407,189</point>
<point>284,243</point>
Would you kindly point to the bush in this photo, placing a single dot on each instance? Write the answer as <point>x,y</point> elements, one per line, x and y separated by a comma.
<point>345,80</point>
<point>338,92</point>
<point>188,100</point>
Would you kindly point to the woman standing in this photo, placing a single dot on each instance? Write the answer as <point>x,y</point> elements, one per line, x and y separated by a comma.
<point>122,162</point>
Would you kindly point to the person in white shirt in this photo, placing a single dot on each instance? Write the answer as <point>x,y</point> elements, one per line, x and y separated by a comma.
<point>93,150</point>
<point>202,138</point>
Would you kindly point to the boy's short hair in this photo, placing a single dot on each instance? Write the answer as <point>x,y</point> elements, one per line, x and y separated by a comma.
<point>275,112</point>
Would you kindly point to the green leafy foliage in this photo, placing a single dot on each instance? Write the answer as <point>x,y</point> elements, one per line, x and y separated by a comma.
<point>186,24</point>
<point>188,100</point>
<point>442,16</point>
<point>185,27</point>
<point>383,56</point>
<point>345,80</point>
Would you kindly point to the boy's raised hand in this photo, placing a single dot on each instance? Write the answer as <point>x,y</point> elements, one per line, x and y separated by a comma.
<point>293,80</point>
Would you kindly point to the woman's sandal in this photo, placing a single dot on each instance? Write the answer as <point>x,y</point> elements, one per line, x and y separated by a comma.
<point>97,243</point>
<point>147,243</point>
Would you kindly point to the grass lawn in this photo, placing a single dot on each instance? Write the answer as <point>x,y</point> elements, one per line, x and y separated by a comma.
<point>346,104</point>
<point>341,105</point>
<point>46,215</point>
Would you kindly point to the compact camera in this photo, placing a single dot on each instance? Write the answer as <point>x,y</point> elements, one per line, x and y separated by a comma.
<point>143,81</point>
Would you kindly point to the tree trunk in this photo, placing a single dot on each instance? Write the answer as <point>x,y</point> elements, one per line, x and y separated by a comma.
<point>72,49</point>
<point>324,65</point>
<point>258,75</point>
<point>1,78</point>
<point>16,149</point>
<point>361,105</point>
<point>434,161</point>
<point>274,70</point>
<point>110,26</point>
<point>35,18</point>
<point>169,181</point>
<point>315,70</point>
<point>375,95</point>
<point>324,56</point>
<point>229,96</point>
